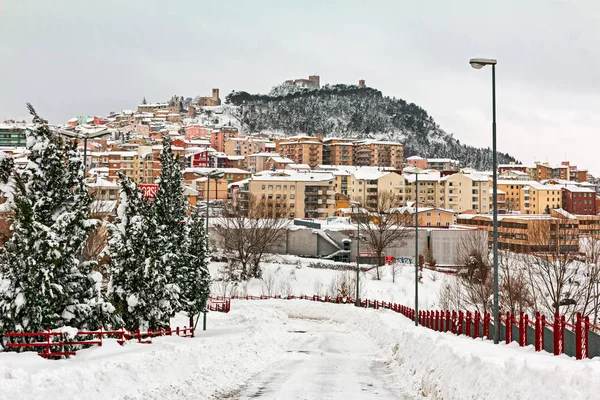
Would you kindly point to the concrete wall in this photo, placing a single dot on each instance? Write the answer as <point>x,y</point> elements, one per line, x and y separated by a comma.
<point>443,244</point>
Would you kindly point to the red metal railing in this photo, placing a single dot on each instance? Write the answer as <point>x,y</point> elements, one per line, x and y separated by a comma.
<point>52,343</point>
<point>471,323</point>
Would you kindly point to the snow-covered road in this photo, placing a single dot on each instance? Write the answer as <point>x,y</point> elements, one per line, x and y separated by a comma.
<point>324,360</point>
<point>297,349</point>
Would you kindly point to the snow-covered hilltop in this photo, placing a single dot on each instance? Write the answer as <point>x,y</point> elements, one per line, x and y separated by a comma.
<point>345,111</point>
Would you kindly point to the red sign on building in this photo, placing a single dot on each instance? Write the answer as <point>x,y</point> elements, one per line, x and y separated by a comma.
<point>149,190</point>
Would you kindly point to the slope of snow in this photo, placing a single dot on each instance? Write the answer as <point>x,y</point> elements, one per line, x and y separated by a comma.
<point>292,275</point>
<point>300,349</point>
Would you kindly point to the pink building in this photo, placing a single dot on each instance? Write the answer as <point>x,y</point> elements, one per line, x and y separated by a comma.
<point>416,161</point>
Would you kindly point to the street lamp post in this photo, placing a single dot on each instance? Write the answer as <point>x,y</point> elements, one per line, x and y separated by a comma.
<point>416,171</point>
<point>479,63</point>
<point>357,302</point>
<point>416,248</point>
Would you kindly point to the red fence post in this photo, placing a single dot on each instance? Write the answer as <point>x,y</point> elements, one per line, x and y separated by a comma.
<point>468,333</point>
<point>436,326</point>
<point>486,325</point>
<point>461,317</point>
<point>524,329</point>
<point>584,340</point>
<point>476,325</point>
<point>100,336</point>
<point>563,326</point>
<point>453,322</point>
<point>508,327</point>
<point>578,337</point>
<point>557,335</point>
<point>448,320</point>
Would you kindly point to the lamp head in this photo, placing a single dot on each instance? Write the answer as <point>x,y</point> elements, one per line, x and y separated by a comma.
<point>479,63</point>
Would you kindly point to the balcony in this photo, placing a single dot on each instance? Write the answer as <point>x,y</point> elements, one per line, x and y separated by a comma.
<point>320,192</point>
<point>330,201</point>
<point>330,192</point>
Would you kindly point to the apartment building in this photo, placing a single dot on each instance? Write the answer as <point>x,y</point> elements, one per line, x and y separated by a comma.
<point>544,171</point>
<point>378,154</point>
<point>217,189</point>
<point>12,135</point>
<point>530,170</point>
<point>513,192</point>
<point>539,199</point>
<point>579,200</point>
<point>337,151</point>
<point>219,136</point>
<point>302,150</point>
<point>243,146</point>
<point>366,184</point>
<point>463,192</point>
<point>416,161</point>
<point>537,233</point>
<point>428,216</point>
<point>576,174</point>
<point>296,194</point>
<point>258,162</point>
<point>443,164</point>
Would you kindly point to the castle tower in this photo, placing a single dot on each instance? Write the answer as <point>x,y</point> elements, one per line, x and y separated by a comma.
<point>361,83</point>
<point>316,80</point>
<point>215,94</point>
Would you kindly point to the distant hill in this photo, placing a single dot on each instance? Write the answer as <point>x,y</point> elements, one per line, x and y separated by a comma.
<point>347,111</point>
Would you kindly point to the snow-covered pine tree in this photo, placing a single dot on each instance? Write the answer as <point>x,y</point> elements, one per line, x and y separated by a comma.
<point>43,283</point>
<point>194,275</point>
<point>139,287</point>
<point>169,210</point>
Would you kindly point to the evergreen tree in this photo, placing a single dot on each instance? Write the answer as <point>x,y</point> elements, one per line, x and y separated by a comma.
<point>140,286</point>
<point>170,211</point>
<point>547,209</point>
<point>43,282</point>
<point>194,275</point>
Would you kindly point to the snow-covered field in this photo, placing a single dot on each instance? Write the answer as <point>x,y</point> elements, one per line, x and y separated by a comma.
<point>288,349</point>
<point>291,275</point>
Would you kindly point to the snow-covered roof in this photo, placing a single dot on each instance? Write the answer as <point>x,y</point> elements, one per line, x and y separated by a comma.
<point>296,176</point>
<point>282,160</point>
<point>369,174</point>
<point>415,158</point>
<point>224,170</point>
<point>298,166</point>
<point>578,189</point>
<point>102,183</point>
<point>442,160</point>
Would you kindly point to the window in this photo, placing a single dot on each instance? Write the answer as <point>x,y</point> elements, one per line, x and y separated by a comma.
<point>292,196</point>
<point>438,214</point>
<point>292,187</point>
<point>284,187</point>
<point>429,224</point>
<point>263,187</point>
<point>447,223</point>
<point>270,187</point>
<point>429,214</point>
<point>438,223</point>
<point>285,196</point>
<point>278,187</point>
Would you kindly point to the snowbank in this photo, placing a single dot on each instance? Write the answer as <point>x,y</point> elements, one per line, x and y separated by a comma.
<point>437,365</point>
<point>236,346</point>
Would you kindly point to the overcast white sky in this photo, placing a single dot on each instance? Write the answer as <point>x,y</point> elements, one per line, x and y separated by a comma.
<point>85,57</point>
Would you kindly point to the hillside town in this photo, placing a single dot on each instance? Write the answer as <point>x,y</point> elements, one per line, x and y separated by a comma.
<point>327,181</point>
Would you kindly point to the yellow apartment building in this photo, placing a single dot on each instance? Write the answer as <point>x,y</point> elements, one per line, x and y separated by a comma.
<point>301,149</point>
<point>296,194</point>
<point>243,146</point>
<point>537,198</point>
